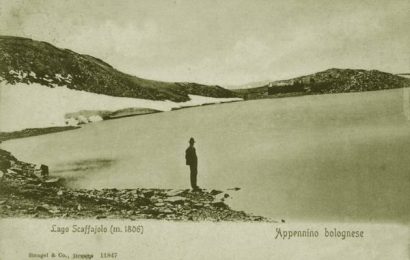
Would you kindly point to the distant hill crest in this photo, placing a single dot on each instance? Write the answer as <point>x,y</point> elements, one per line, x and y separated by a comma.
<point>334,80</point>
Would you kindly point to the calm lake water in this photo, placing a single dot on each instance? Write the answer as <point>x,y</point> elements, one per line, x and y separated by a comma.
<point>343,157</point>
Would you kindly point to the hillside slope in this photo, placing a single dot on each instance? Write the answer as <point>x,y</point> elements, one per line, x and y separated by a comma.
<point>42,86</point>
<point>24,60</point>
<point>329,81</point>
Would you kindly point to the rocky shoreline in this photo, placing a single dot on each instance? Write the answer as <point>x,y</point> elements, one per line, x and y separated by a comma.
<point>26,190</point>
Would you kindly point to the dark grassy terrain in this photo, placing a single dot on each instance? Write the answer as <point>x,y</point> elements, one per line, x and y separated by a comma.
<point>28,61</point>
<point>33,132</point>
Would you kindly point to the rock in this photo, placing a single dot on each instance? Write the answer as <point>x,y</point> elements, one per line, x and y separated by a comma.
<point>52,180</point>
<point>60,192</point>
<point>4,164</point>
<point>167,211</point>
<point>159,204</point>
<point>171,217</point>
<point>16,169</point>
<point>32,180</point>
<point>79,207</point>
<point>226,195</point>
<point>54,211</point>
<point>44,171</point>
<point>148,193</point>
<point>43,207</point>
<point>11,172</point>
<point>220,197</point>
<point>219,205</point>
<point>215,192</point>
<point>1,174</point>
<point>2,202</point>
<point>37,170</point>
<point>235,189</point>
<point>130,212</point>
<point>142,201</point>
<point>198,205</point>
<point>175,199</point>
<point>172,193</point>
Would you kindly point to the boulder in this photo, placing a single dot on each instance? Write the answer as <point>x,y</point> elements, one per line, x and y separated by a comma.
<point>44,171</point>
<point>172,193</point>
<point>215,192</point>
<point>44,207</point>
<point>15,169</point>
<point>219,205</point>
<point>10,172</point>
<point>148,193</point>
<point>4,164</point>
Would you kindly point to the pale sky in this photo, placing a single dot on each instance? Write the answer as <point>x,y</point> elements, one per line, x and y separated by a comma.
<point>223,42</point>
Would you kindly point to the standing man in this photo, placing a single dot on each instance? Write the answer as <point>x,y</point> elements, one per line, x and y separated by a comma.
<point>192,161</point>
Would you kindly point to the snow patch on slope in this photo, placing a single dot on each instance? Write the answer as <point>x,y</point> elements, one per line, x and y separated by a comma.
<point>36,106</point>
<point>52,79</point>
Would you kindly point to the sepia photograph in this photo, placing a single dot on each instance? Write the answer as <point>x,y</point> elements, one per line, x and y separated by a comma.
<point>204,129</point>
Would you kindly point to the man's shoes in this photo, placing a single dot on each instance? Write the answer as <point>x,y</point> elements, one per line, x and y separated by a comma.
<point>196,189</point>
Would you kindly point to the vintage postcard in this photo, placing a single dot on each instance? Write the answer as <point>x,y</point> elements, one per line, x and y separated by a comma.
<point>179,129</point>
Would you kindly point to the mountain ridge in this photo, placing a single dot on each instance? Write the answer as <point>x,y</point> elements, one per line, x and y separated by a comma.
<point>23,60</point>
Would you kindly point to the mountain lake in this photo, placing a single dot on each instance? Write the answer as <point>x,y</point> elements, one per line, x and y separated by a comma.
<point>335,157</point>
